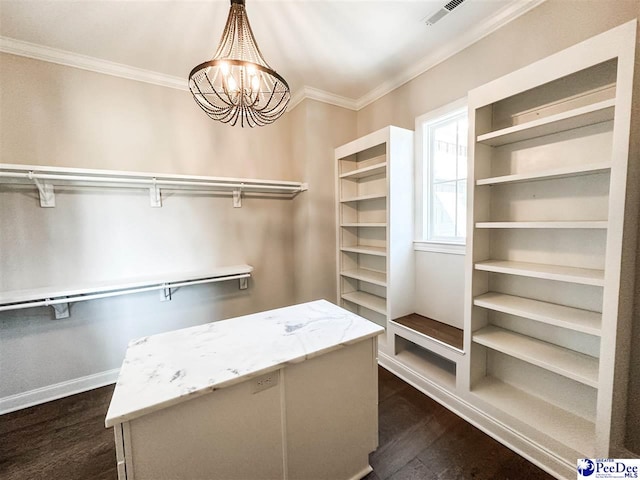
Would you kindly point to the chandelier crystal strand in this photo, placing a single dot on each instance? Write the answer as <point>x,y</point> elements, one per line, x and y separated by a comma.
<point>237,83</point>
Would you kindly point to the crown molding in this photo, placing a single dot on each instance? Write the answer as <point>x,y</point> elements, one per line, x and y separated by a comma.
<point>473,35</point>
<point>92,64</point>
<point>311,93</point>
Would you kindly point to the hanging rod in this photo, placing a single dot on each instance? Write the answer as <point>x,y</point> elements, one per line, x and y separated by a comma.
<point>45,177</point>
<point>60,298</point>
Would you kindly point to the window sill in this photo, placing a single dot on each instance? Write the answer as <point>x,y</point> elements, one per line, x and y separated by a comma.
<point>440,247</point>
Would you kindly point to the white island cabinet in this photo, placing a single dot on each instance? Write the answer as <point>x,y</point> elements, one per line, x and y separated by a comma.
<point>284,394</point>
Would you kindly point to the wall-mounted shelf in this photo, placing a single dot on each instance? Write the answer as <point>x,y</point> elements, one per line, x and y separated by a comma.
<point>60,297</point>
<point>579,117</point>
<point>46,178</point>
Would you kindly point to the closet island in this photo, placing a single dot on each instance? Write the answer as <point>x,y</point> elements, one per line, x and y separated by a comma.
<point>286,393</point>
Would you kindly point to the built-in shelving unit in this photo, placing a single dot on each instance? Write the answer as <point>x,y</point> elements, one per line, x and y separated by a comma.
<point>546,299</point>
<point>59,297</point>
<point>375,232</point>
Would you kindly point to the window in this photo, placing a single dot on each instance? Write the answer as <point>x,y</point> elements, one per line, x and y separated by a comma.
<point>442,175</point>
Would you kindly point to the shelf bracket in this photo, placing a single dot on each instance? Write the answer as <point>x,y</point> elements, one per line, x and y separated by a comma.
<point>237,198</point>
<point>61,310</point>
<point>155,197</point>
<point>46,192</point>
<point>243,283</point>
<point>165,293</point>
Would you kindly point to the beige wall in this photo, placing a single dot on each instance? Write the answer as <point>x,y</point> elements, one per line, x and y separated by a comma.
<point>56,115</point>
<point>317,129</point>
<point>551,27</point>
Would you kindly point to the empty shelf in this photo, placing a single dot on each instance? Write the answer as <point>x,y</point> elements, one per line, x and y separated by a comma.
<point>585,276</point>
<point>542,225</point>
<point>563,172</point>
<point>565,427</point>
<point>16,299</point>
<point>379,251</point>
<point>579,117</point>
<point>576,319</point>
<point>427,364</point>
<point>370,276</point>
<point>369,171</point>
<point>364,225</point>
<point>568,363</point>
<point>361,198</point>
<point>367,300</point>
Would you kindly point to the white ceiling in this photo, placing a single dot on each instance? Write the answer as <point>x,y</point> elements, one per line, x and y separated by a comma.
<point>349,49</point>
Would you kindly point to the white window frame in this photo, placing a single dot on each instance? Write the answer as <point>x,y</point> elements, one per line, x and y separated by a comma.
<point>422,187</point>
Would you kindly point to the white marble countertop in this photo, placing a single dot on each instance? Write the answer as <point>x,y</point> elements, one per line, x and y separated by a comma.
<point>169,368</point>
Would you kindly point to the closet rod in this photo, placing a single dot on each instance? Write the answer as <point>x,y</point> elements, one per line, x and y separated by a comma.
<point>95,296</point>
<point>151,181</point>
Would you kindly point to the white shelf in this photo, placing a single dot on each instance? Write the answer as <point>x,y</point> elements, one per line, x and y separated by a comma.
<point>370,276</point>
<point>378,251</point>
<point>428,365</point>
<point>364,225</point>
<point>367,300</point>
<point>584,276</point>
<point>561,425</point>
<point>568,363</point>
<point>579,117</point>
<point>576,319</point>
<point>362,198</point>
<point>43,296</point>
<point>366,171</point>
<point>597,224</point>
<point>563,172</point>
<point>46,177</point>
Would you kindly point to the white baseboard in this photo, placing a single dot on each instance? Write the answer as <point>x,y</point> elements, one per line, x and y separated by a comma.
<point>56,391</point>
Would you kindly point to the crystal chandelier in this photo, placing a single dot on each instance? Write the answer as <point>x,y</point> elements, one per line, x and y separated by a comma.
<point>237,83</point>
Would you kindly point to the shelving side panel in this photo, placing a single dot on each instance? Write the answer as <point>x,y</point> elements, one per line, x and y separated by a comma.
<point>400,205</point>
<point>617,308</point>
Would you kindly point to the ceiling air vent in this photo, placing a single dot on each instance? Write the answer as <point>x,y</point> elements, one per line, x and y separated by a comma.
<point>430,20</point>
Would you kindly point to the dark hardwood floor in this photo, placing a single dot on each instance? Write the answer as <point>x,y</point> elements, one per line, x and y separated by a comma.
<point>419,439</point>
